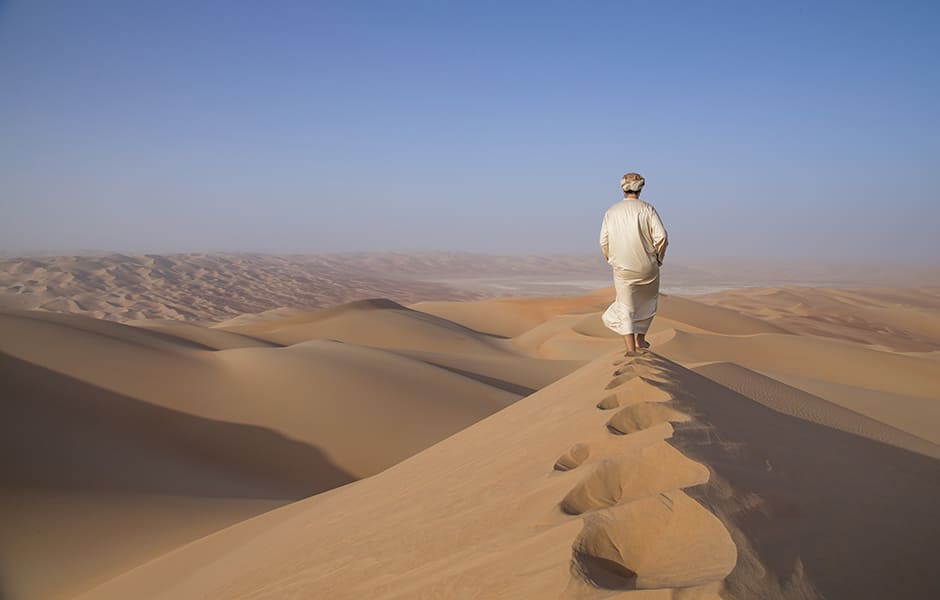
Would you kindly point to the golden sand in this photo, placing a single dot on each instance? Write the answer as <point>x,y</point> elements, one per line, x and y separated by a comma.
<point>477,449</point>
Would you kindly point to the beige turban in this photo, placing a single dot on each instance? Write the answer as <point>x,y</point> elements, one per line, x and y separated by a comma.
<point>632,182</point>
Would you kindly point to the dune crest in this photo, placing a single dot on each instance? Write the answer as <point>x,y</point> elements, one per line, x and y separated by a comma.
<point>610,507</point>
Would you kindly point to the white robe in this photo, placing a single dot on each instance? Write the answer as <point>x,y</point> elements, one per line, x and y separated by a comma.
<point>634,241</point>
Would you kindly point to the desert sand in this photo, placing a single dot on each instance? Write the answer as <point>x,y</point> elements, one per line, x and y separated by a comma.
<point>206,287</point>
<point>774,443</point>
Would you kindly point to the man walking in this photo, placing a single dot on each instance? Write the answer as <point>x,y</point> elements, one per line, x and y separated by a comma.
<point>634,241</point>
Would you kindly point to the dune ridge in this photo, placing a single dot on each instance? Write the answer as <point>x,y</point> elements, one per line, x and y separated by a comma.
<point>609,541</point>
<point>616,511</point>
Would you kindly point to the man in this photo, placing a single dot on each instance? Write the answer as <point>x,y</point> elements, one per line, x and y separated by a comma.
<point>634,241</point>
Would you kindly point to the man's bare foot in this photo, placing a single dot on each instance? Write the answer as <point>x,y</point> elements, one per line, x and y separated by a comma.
<point>629,345</point>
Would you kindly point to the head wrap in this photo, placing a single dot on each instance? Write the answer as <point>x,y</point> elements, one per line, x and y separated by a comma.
<point>632,182</point>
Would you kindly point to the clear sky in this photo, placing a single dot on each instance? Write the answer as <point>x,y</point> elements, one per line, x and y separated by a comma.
<point>763,128</point>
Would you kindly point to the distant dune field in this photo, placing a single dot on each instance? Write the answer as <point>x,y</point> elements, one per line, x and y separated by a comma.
<point>775,443</point>
<point>200,287</point>
<point>214,287</point>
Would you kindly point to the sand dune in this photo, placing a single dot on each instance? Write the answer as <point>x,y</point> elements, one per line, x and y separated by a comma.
<point>202,287</point>
<point>224,286</point>
<point>375,322</point>
<point>509,317</point>
<point>819,358</point>
<point>580,334</point>
<point>916,414</point>
<point>213,339</point>
<point>495,448</point>
<point>311,392</point>
<point>806,504</point>
<point>716,319</point>
<point>486,513</point>
<point>74,453</point>
<point>896,319</point>
<point>793,401</point>
<point>893,388</point>
<point>480,516</point>
<point>180,424</point>
<point>520,374</point>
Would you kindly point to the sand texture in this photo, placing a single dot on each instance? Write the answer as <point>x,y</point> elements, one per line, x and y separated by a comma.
<point>774,443</point>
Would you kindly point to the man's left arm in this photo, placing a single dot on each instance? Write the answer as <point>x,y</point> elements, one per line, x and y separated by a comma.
<point>658,235</point>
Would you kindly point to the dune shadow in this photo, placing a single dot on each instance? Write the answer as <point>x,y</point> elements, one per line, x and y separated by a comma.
<point>380,304</point>
<point>126,334</point>
<point>58,432</point>
<point>860,516</point>
<point>440,321</point>
<point>502,384</point>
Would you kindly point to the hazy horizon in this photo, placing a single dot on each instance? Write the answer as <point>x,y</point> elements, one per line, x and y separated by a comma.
<point>792,132</point>
<point>929,262</point>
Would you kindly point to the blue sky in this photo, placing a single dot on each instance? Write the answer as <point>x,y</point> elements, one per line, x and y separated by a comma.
<point>764,129</point>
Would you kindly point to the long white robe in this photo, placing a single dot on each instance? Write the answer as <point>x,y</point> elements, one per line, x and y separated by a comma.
<point>634,242</point>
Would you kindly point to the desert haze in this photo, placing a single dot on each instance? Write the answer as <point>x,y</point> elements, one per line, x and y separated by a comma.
<point>373,426</point>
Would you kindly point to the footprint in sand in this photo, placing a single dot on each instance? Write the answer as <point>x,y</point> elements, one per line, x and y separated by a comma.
<point>643,472</point>
<point>641,358</point>
<point>625,374</point>
<point>643,415</point>
<point>632,390</point>
<point>636,371</point>
<point>666,540</point>
<point>640,530</point>
<point>574,457</point>
<point>635,392</point>
<point>606,446</point>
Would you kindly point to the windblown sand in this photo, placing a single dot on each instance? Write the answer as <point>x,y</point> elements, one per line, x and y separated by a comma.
<point>774,443</point>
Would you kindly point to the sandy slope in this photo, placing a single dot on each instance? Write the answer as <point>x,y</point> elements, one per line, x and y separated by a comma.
<point>378,323</point>
<point>897,319</point>
<point>898,389</point>
<point>214,339</point>
<point>889,383</point>
<point>312,392</point>
<point>578,491</point>
<point>790,453</point>
<point>510,317</point>
<point>793,401</point>
<point>95,482</point>
<point>129,426</point>
<point>485,513</point>
<point>811,503</point>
